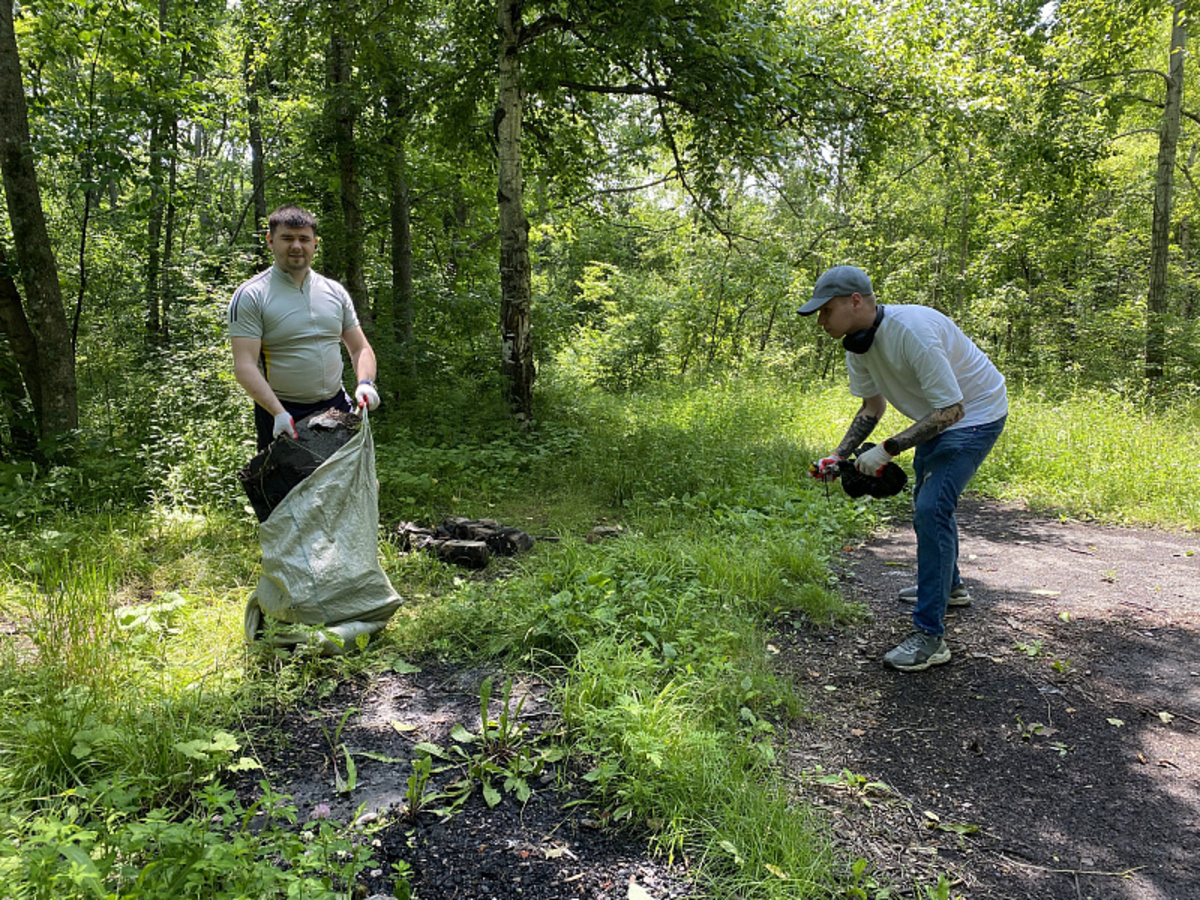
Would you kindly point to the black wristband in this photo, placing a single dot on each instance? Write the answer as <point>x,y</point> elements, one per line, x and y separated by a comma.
<point>891,448</point>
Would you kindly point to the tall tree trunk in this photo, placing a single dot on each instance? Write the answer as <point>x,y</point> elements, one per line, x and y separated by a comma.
<point>964,231</point>
<point>167,288</point>
<point>343,113</point>
<point>516,288</point>
<point>57,403</point>
<point>152,283</point>
<point>254,75</point>
<point>1160,227</point>
<point>1187,293</point>
<point>154,228</point>
<point>403,314</point>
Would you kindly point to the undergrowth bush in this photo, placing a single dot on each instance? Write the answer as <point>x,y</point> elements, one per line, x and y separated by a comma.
<point>96,846</point>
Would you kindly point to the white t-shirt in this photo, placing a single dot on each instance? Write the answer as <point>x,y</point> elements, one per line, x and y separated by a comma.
<point>921,361</point>
<point>300,329</point>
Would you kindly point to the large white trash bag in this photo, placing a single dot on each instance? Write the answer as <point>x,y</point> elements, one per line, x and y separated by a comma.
<point>320,550</point>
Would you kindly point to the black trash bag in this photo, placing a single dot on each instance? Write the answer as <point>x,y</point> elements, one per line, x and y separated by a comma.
<point>891,482</point>
<point>271,475</point>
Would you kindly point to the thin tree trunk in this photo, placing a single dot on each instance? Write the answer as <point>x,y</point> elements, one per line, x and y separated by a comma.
<point>516,289</point>
<point>166,291</point>
<point>1160,226</point>
<point>158,138</point>
<point>964,233</point>
<point>340,77</point>
<point>154,228</point>
<point>255,81</point>
<point>766,335</point>
<point>56,403</point>
<point>403,314</point>
<point>1187,298</point>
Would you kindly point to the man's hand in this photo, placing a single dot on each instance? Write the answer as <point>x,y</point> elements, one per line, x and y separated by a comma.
<point>285,422</point>
<point>366,395</point>
<point>826,469</point>
<point>873,461</point>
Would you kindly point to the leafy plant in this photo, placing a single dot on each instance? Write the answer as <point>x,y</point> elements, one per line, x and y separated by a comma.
<point>342,784</point>
<point>416,794</point>
<point>857,786</point>
<point>502,755</point>
<point>222,850</point>
<point>1030,648</point>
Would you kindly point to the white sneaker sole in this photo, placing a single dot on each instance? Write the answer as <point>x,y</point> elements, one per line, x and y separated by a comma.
<point>937,659</point>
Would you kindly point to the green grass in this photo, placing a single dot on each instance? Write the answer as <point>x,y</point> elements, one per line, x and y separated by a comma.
<point>1099,456</point>
<point>124,678</point>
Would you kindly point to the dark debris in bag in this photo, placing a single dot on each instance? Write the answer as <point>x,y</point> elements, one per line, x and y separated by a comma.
<point>271,476</point>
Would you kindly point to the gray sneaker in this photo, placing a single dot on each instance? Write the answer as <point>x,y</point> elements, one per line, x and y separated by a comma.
<point>916,652</point>
<point>959,595</point>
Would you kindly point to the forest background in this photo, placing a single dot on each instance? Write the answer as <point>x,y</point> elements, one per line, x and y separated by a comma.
<point>576,234</point>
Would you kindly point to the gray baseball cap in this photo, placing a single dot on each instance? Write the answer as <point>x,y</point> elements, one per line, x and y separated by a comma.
<point>840,281</point>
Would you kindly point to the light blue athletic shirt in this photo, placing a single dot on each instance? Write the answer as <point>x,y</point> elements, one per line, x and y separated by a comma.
<point>300,329</point>
<point>921,361</point>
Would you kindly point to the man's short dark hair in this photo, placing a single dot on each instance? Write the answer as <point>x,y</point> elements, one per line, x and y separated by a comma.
<point>292,217</point>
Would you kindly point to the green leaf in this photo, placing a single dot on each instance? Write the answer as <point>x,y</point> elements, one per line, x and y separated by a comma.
<point>379,757</point>
<point>84,869</point>
<point>351,781</point>
<point>491,796</point>
<point>431,749</point>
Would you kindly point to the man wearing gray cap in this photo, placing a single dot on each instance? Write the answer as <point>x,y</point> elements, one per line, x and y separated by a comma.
<point>919,361</point>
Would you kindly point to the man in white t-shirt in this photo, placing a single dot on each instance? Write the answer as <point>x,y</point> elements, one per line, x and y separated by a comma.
<point>919,361</point>
<point>287,325</point>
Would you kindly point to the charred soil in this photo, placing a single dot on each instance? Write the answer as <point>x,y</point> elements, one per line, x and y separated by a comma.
<point>555,846</point>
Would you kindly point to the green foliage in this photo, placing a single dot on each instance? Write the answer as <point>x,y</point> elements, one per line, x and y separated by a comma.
<point>500,759</point>
<point>667,684</point>
<point>94,847</point>
<point>1082,455</point>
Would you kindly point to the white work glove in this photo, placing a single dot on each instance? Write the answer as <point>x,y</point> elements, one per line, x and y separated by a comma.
<point>873,461</point>
<point>285,422</point>
<point>366,395</point>
<point>826,469</point>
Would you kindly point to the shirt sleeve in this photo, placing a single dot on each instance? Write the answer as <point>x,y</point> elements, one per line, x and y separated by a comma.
<point>861,383</point>
<point>349,315</point>
<point>245,315</point>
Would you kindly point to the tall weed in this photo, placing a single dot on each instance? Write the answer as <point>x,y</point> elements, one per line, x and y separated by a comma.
<point>1096,455</point>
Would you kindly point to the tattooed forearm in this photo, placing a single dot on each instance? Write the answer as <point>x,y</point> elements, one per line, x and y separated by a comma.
<point>928,428</point>
<point>860,429</point>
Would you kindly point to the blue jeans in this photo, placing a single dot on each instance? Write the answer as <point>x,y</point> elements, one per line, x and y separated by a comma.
<point>943,466</point>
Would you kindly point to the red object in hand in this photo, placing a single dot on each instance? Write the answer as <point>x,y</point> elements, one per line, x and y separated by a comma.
<point>827,469</point>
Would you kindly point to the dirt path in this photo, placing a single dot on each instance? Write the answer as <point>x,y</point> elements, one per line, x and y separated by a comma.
<point>1057,755</point>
